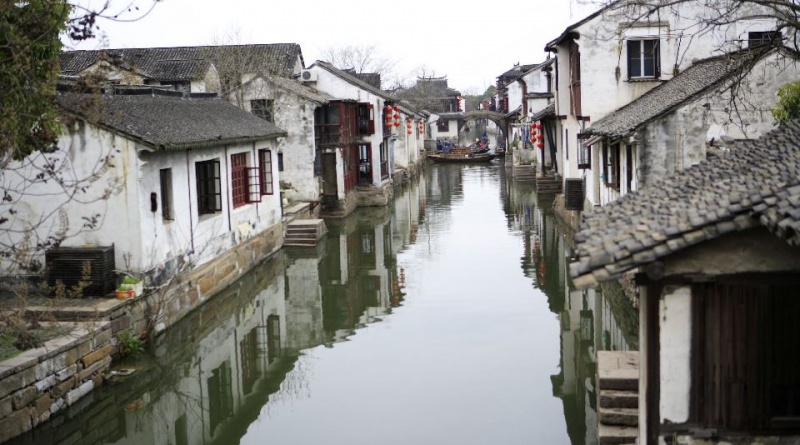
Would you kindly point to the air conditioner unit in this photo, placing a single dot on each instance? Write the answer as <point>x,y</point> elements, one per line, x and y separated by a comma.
<point>574,193</point>
<point>308,76</point>
<point>66,264</point>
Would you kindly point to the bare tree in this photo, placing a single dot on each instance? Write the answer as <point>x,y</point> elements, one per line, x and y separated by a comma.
<point>360,58</point>
<point>715,16</point>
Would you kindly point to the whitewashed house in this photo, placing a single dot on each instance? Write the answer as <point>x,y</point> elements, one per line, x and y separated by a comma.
<point>527,90</point>
<point>289,105</point>
<point>613,57</point>
<point>353,140</point>
<point>709,105</point>
<point>258,78</point>
<point>715,251</point>
<point>176,183</point>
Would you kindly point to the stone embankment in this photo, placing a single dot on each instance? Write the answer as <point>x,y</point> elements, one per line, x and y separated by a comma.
<point>41,382</point>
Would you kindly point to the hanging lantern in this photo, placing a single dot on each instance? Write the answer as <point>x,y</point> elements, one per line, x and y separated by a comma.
<point>397,108</point>
<point>396,123</point>
<point>540,144</point>
<point>540,137</point>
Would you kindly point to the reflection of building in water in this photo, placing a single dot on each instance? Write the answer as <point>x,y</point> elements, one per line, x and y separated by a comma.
<point>303,299</point>
<point>589,320</point>
<point>354,275</point>
<point>215,371</point>
<point>211,374</point>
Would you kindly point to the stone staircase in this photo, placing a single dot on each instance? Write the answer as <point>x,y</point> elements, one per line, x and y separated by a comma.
<point>548,185</point>
<point>618,400</point>
<point>304,232</point>
<point>525,173</point>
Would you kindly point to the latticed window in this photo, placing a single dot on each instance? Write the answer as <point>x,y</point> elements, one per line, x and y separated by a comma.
<point>245,188</point>
<point>239,179</point>
<point>265,163</point>
<point>263,108</point>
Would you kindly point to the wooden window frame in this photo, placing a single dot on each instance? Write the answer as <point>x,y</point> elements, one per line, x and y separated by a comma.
<point>384,154</point>
<point>366,119</point>
<point>575,79</point>
<point>209,187</point>
<point>165,182</point>
<point>245,181</point>
<point>365,163</point>
<point>756,39</point>
<point>239,179</point>
<point>263,108</point>
<point>611,165</point>
<point>265,172</point>
<point>584,156</point>
<point>637,58</point>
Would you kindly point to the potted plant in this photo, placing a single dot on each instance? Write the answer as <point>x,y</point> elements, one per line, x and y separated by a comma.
<point>124,292</point>
<point>132,283</point>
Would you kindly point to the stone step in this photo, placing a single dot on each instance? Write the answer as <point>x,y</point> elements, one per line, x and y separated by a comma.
<point>307,223</point>
<point>610,398</point>
<point>619,416</point>
<point>618,370</point>
<point>616,435</point>
<point>618,379</point>
<point>302,231</point>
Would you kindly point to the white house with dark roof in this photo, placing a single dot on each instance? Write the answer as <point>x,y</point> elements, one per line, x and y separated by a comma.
<point>614,56</point>
<point>709,105</point>
<point>716,251</point>
<point>356,136</point>
<point>258,78</point>
<point>188,181</point>
<point>291,106</point>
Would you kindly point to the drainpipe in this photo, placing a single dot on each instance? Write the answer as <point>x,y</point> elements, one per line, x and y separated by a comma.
<point>230,224</point>
<point>189,191</point>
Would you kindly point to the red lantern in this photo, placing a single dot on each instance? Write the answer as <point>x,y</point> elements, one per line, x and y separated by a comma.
<point>540,137</point>
<point>397,108</point>
<point>396,123</point>
<point>540,144</point>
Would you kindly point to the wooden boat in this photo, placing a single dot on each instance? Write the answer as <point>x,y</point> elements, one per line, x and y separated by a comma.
<point>461,157</point>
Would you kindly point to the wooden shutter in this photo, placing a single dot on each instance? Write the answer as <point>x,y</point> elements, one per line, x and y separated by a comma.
<point>371,116</point>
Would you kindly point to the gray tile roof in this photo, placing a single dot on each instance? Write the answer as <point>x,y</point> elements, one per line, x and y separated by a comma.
<point>190,62</point>
<point>756,183</point>
<point>547,111</point>
<point>163,122</point>
<point>354,80</point>
<point>685,87</point>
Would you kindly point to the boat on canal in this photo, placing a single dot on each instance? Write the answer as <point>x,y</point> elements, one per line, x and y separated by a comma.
<point>461,157</point>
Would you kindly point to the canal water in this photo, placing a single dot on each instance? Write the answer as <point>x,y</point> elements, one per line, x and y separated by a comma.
<point>445,318</point>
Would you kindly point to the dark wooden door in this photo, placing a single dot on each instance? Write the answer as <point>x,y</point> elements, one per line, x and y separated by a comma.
<point>329,184</point>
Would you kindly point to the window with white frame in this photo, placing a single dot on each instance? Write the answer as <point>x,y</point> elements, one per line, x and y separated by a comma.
<point>643,59</point>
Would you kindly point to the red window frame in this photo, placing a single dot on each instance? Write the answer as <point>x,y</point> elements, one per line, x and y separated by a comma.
<point>366,119</point>
<point>245,181</point>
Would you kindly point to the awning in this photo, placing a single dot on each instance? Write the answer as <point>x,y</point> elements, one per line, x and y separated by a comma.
<point>591,141</point>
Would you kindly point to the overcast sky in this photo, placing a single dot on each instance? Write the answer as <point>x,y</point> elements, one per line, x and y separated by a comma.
<point>471,42</point>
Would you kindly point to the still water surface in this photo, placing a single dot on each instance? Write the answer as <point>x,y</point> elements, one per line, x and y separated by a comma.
<point>445,318</point>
